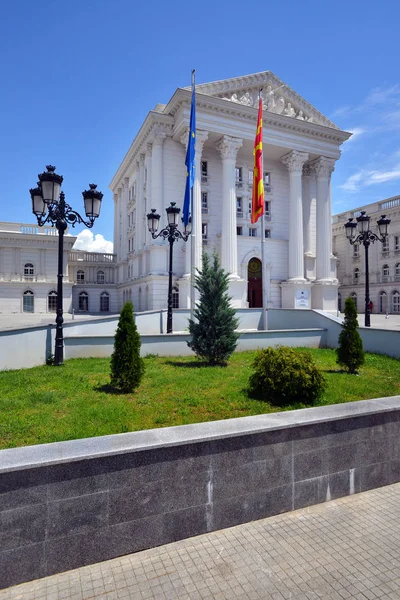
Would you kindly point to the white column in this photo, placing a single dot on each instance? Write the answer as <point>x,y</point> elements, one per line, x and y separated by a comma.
<point>116,221</point>
<point>323,170</point>
<point>157,172</point>
<point>307,174</point>
<point>119,203</point>
<point>294,161</point>
<point>148,202</point>
<point>140,208</point>
<point>197,238</point>
<point>125,199</point>
<point>228,147</point>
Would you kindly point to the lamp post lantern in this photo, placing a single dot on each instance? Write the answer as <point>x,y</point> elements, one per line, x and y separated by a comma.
<point>172,234</point>
<point>360,233</point>
<point>49,206</point>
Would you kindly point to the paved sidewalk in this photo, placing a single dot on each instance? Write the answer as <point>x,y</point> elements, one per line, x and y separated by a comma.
<point>347,548</point>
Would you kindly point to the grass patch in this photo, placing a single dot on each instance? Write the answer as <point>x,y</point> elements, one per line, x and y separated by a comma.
<point>49,404</point>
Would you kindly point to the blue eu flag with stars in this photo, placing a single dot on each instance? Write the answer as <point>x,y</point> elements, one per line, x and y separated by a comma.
<point>189,162</point>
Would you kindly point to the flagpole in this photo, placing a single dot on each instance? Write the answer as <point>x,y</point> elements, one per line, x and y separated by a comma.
<point>193,235</point>
<point>264,320</point>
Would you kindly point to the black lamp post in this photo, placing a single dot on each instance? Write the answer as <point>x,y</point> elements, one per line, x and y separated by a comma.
<point>366,237</point>
<point>171,233</point>
<point>46,198</point>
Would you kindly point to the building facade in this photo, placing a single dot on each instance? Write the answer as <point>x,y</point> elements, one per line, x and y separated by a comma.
<point>300,150</point>
<point>28,273</point>
<point>384,260</point>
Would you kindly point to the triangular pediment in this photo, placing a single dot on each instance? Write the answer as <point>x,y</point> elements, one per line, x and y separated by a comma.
<point>277,96</point>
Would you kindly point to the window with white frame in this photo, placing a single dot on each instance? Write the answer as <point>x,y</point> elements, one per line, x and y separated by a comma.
<point>252,232</point>
<point>175,297</point>
<point>267,210</point>
<point>356,275</point>
<point>239,230</point>
<point>267,178</point>
<point>80,276</point>
<point>397,272</point>
<point>204,232</point>
<point>29,270</point>
<point>251,177</point>
<point>204,171</point>
<point>204,202</point>
<point>52,301</point>
<point>101,277</point>
<point>385,273</point>
<point>385,245</point>
<point>249,208</point>
<point>238,176</point>
<point>239,206</point>
<point>83,301</point>
<point>104,302</point>
<point>28,301</point>
<point>396,242</point>
<point>267,233</point>
<point>396,301</point>
<point>356,251</point>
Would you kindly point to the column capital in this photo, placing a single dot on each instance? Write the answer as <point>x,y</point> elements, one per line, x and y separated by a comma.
<point>294,160</point>
<point>158,137</point>
<point>115,197</point>
<point>149,149</point>
<point>308,170</point>
<point>323,167</point>
<point>228,146</point>
<point>201,138</point>
<point>141,158</point>
<point>125,183</point>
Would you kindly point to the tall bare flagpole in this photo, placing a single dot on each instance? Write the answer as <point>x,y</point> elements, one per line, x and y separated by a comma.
<point>264,321</point>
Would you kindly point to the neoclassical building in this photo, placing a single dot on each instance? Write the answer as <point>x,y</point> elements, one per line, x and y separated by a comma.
<point>300,149</point>
<point>384,259</point>
<point>28,273</point>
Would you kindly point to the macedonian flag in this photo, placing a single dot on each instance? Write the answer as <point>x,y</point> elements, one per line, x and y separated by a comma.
<point>257,203</point>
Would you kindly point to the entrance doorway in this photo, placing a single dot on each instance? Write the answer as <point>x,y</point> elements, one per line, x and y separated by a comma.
<point>254,286</point>
<point>383,302</point>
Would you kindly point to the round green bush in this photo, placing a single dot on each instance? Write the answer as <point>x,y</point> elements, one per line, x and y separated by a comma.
<point>283,376</point>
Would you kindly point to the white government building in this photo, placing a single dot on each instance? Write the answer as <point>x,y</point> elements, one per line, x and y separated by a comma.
<point>300,149</point>
<point>384,259</point>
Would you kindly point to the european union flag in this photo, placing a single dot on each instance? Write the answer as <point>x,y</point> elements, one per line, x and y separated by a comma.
<point>189,162</point>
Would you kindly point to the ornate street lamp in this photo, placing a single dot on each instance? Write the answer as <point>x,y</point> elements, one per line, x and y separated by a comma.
<point>172,234</point>
<point>49,206</point>
<point>360,233</point>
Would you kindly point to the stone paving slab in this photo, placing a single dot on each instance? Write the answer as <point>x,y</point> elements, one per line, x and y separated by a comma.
<point>347,548</point>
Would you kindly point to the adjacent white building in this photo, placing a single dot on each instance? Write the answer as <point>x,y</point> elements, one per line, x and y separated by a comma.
<point>300,149</point>
<point>28,273</point>
<point>384,259</point>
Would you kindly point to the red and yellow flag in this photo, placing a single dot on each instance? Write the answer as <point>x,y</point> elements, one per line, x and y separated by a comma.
<point>257,203</point>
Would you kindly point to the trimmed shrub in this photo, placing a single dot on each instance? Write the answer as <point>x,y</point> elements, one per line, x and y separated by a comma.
<point>283,376</point>
<point>213,331</point>
<point>350,351</point>
<point>127,367</point>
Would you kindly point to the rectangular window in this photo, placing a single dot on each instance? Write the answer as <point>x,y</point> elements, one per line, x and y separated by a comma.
<point>204,232</point>
<point>239,206</point>
<point>385,246</point>
<point>267,178</point>
<point>267,233</point>
<point>238,176</point>
<point>204,202</point>
<point>356,251</point>
<point>251,177</point>
<point>252,232</point>
<point>204,171</point>
<point>175,298</point>
<point>104,303</point>
<point>239,230</point>
<point>249,208</point>
<point>267,208</point>
<point>396,242</point>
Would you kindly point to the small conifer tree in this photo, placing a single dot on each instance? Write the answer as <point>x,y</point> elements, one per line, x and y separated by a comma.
<point>127,367</point>
<point>350,352</point>
<point>213,327</point>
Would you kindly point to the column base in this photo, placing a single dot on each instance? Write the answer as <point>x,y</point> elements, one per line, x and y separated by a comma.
<point>324,294</point>
<point>238,292</point>
<point>184,291</point>
<point>296,294</point>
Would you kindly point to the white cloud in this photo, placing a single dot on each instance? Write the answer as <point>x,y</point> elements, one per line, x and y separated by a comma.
<point>382,95</point>
<point>356,132</point>
<point>92,243</point>
<point>365,178</point>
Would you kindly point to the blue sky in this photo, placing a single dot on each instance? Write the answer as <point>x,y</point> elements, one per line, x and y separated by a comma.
<point>79,76</point>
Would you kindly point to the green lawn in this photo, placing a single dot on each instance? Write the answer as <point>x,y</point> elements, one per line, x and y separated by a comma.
<point>48,404</point>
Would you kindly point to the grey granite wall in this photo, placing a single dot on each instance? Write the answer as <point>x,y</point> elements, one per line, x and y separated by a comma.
<point>73,503</point>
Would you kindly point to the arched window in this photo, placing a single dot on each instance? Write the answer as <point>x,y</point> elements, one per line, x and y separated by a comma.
<point>353,296</point>
<point>396,302</point>
<point>175,297</point>
<point>339,302</point>
<point>397,272</point>
<point>52,301</point>
<point>382,302</point>
<point>100,277</point>
<point>385,273</point>
<point>84,301</point>
<point>29,271</point>
<point>356,275</point>
<point>80,276</point>
<point>29,301</point>
<point>104,302</point>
